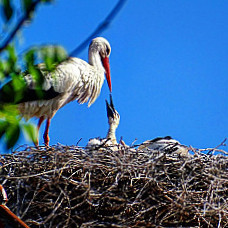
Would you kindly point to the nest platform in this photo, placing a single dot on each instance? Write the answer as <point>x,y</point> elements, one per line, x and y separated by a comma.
<point>70,186</point>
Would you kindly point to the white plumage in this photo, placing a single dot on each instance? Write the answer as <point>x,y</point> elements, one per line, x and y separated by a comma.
<point>73,80</point>
<point>165,144</point>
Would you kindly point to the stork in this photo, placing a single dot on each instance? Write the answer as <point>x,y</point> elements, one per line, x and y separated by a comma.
<point>113,121</point>
<point>73,79</point>
<point>165,144</point>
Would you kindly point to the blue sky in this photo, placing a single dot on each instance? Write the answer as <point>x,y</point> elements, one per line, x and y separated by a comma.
<point>168,64</point>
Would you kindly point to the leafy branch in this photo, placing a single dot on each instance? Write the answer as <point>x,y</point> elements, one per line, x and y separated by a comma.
<point>29,7</point>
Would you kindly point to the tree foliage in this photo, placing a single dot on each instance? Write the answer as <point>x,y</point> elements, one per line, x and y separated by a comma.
<point>12,69</point>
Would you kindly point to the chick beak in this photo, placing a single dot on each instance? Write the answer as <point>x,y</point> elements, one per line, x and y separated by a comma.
<point>110,108</point>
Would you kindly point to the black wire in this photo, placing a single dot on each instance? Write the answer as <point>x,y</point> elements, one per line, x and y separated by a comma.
<point>100,28</point>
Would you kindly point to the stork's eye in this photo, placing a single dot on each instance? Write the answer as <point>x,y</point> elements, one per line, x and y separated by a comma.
<point>107,50</point>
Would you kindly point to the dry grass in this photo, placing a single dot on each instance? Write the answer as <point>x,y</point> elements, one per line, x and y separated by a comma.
<point>69,186</point>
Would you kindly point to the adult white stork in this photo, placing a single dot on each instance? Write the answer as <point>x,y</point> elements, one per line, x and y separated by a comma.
<point>113,122</point>
<point>165,144</point>
<point>73,79</point>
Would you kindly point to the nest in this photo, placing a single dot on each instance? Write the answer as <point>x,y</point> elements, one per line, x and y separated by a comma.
<point>70,186</point>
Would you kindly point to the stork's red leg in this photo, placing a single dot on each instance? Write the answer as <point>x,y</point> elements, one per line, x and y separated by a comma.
<point>38,128</point>
<point>46,136</point>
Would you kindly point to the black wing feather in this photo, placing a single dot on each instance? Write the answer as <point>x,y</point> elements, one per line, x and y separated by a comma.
<point>9,95</point>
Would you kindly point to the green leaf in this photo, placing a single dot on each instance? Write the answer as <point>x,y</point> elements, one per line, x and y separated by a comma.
<point>30,57</point>
<point>35,70</point>
<point>19,87</point>
<point>8,66</point>
<point>37,76</point>
<point>12,135</point>
<point>2,75</point>
<point>5,69</point>
<point>52,55</point>
<point>31,132</point>
<point>7,9</point>
<point>9,113</point>
<point>47,0</point>
<point>27,5</point>
<point>3,127</point>
<point>12,58</point>
<point>12,53</point>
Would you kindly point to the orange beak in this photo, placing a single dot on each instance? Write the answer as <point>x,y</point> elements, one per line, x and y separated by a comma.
<point>105,62</point>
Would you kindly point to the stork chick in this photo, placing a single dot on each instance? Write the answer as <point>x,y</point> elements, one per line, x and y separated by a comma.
<point>165,144</point>
<point>113,121</point>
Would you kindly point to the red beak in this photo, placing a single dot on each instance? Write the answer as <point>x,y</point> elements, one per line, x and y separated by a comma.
<point>105,62</point>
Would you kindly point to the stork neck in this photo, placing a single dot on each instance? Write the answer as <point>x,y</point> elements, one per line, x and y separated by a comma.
<point>95,60</point>
<point>112,134</point>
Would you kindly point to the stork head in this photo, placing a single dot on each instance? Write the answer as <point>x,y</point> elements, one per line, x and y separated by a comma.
<point>113,115</point>
<point>102,46</point>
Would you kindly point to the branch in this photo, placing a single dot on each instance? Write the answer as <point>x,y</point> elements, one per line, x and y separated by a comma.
<point>19,25</point>
<point>100,28</point>
<point>221,144</point>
